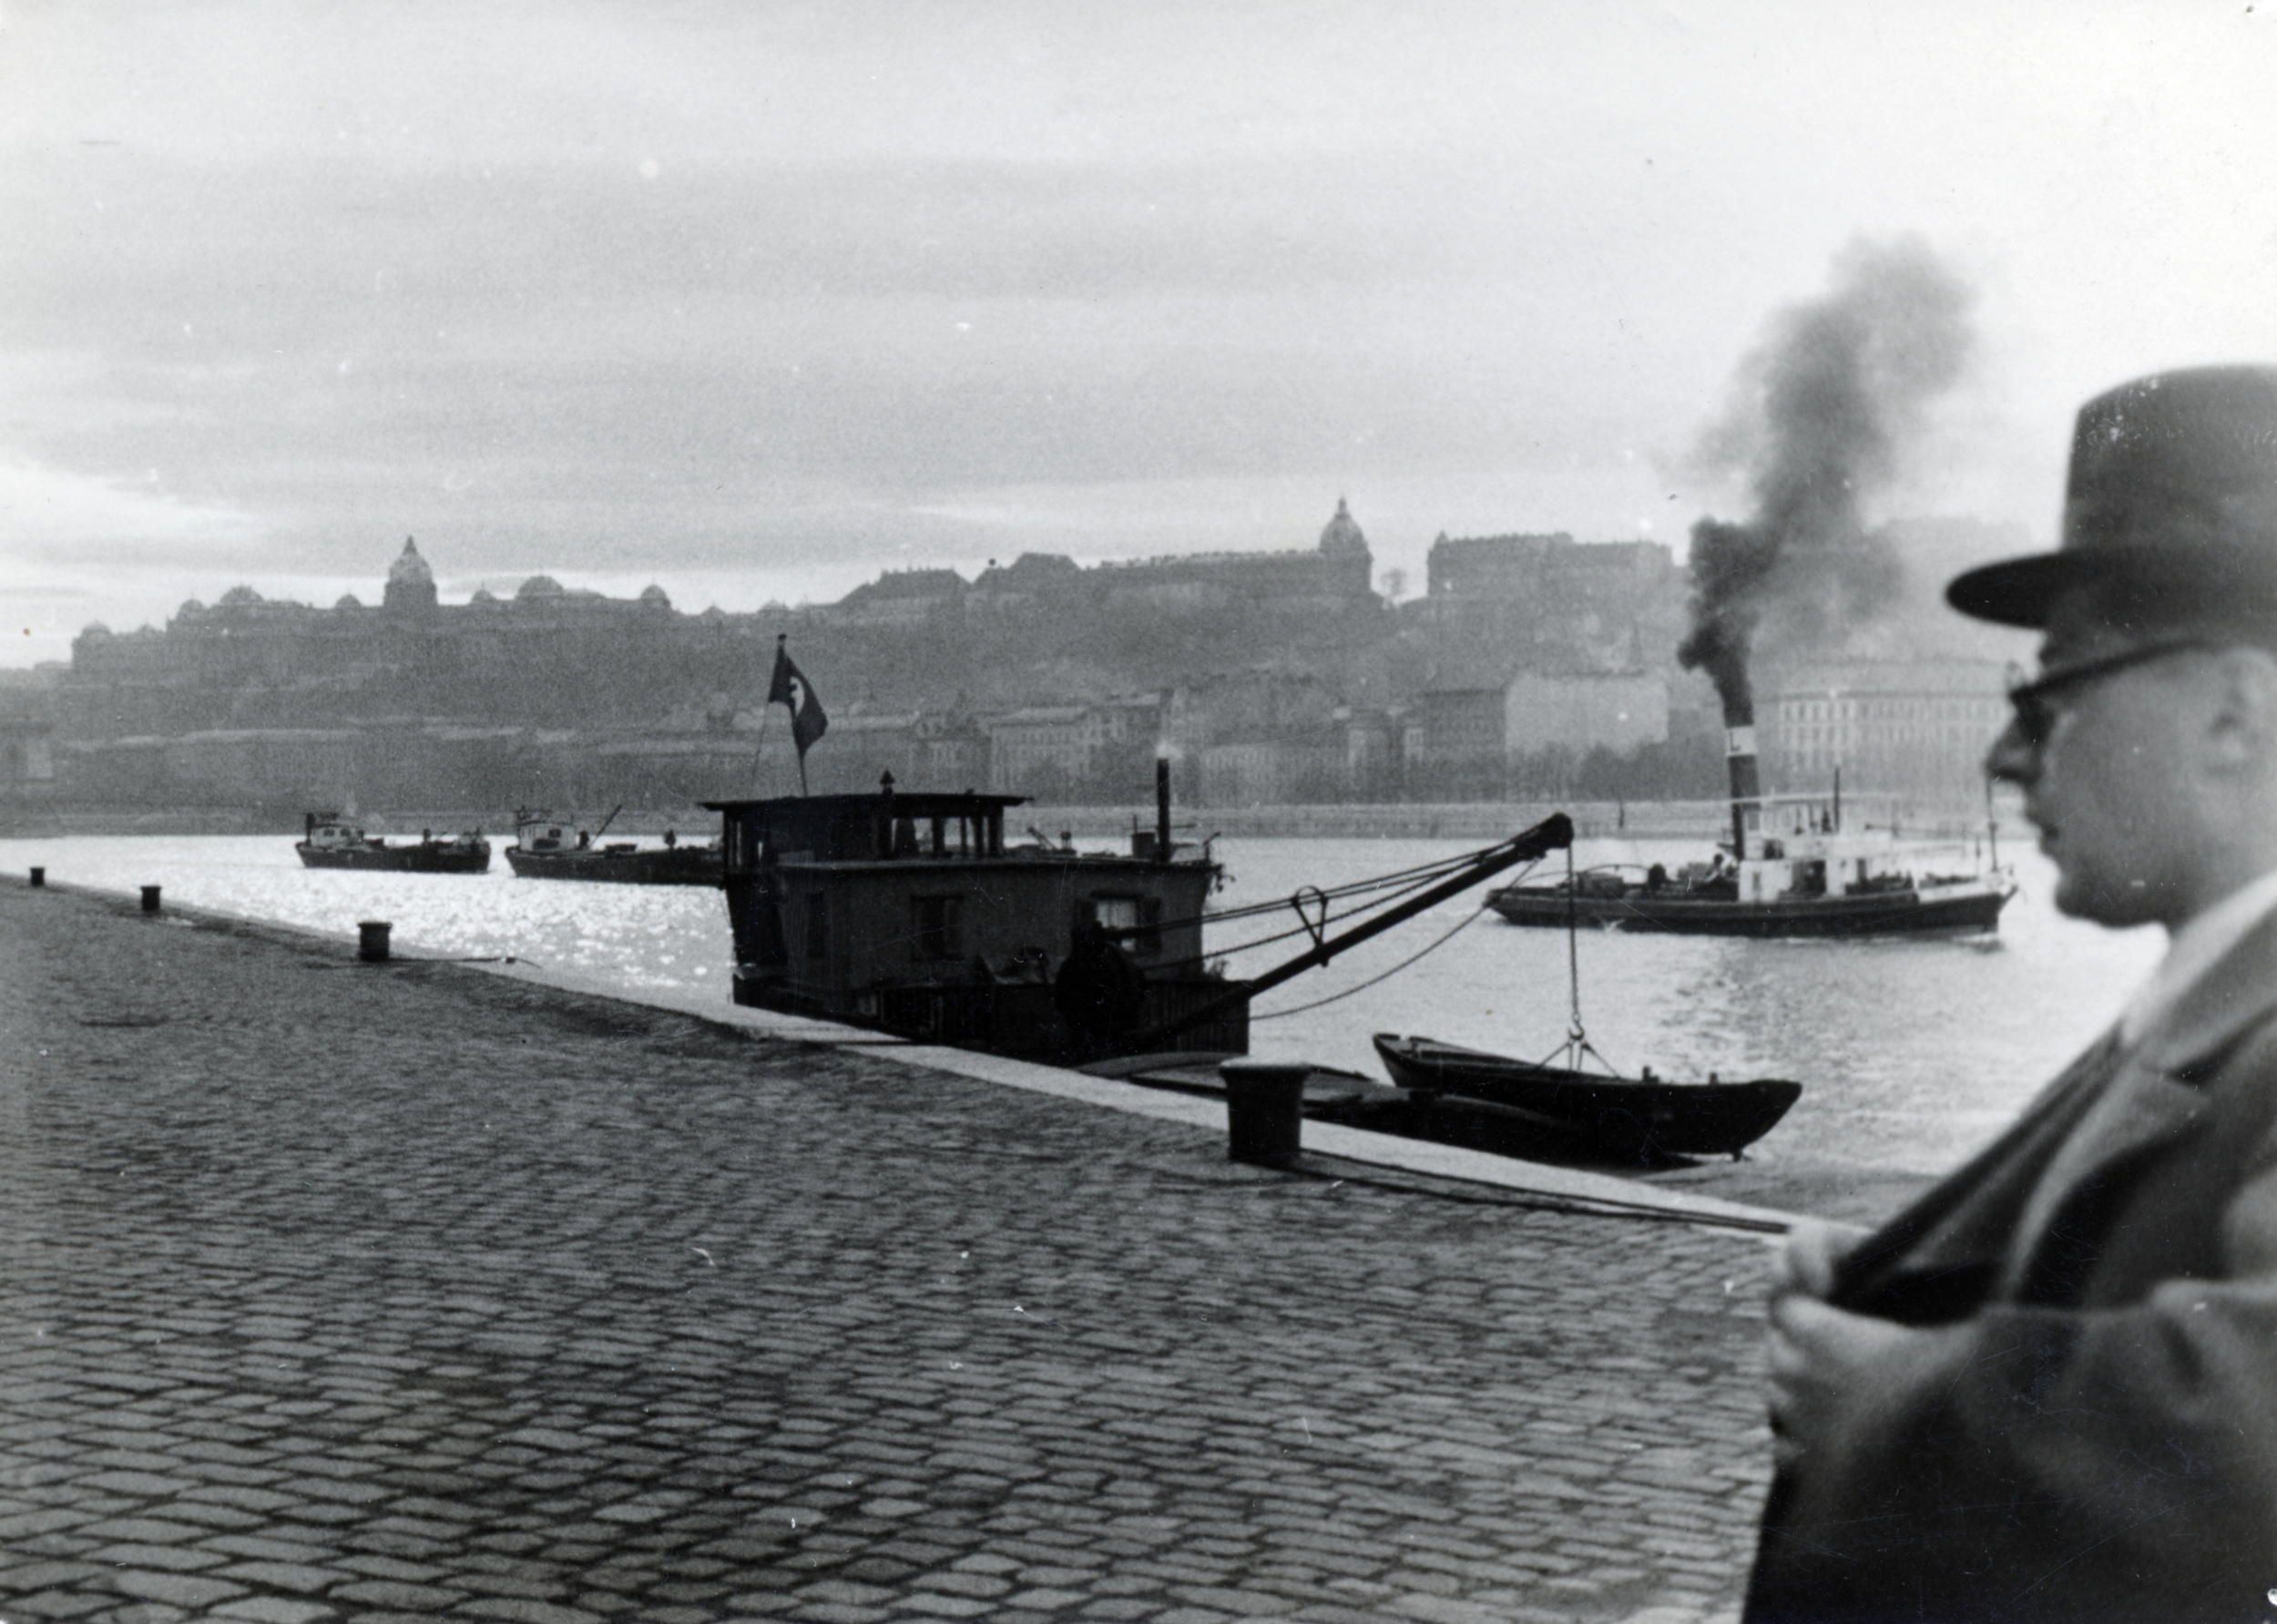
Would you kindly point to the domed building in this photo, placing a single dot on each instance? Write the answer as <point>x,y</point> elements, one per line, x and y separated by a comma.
<point>1345,548</point>
<point>410,585</point>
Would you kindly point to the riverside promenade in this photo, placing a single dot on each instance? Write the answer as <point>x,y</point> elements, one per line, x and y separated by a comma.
<point>337,1291</point>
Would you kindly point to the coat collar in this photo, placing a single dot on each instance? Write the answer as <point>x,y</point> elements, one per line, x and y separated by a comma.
<point>2236,994</point>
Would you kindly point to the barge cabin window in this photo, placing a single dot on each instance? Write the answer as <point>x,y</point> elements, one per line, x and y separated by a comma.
<point>1131,922</point>
<point>818,925</point>
<point>937,927</point>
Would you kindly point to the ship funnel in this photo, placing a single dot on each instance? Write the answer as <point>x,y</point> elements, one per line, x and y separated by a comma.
<point>1163,850</point>
<point>1747,789</point>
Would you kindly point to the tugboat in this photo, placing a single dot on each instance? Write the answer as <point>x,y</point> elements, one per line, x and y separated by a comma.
<point>543,850</point>
<point>328,842</point>
<point>1819,881</point>
<point>1790,869</point>
<point>909,914</point>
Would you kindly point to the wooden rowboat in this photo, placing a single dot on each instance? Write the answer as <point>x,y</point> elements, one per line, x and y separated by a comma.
<point>1644,1119</point>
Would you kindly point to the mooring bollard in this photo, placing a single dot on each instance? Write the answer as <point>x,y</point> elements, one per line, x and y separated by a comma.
<point>149,899</point>
<point>1264,1107</point>
<point>39,878</point>
<point>372,940</point>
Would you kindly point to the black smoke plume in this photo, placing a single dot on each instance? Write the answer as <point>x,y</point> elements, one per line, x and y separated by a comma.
<point>1822,413</point>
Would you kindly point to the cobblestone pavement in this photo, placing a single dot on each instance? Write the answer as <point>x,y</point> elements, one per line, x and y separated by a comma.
<point>338,1291</point>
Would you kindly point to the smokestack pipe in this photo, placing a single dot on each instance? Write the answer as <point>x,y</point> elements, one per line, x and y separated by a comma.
<point>1161,809</point>
<point>1746,788</point>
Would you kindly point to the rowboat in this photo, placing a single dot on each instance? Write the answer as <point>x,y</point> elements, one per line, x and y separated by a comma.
<point>1561,1110</point>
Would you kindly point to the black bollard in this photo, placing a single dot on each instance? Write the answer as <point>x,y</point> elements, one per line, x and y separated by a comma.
<point>1264,1112</point>
<point>39,878</point>
<point>372,940</point>
<point>149,899</point>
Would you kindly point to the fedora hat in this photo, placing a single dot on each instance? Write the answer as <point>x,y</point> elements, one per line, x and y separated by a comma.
<point>2171,508</point>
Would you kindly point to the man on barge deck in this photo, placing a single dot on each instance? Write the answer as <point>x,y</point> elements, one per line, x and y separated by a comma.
<point>2048,1389</point>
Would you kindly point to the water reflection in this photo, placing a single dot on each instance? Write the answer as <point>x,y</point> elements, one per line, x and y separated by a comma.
<point>1913,1052</point>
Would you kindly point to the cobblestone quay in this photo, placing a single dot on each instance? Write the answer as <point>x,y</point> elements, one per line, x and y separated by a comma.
<point>347,1291</point>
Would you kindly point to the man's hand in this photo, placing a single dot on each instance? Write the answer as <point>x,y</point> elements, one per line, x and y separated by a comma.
<point>1835,1376</point>
<point>1807,1263</point>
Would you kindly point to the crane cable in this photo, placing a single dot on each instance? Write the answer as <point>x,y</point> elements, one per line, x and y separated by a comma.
<point>1462,925</point>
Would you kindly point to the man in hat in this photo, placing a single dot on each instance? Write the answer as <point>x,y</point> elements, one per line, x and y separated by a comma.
<point>2048,1389</point>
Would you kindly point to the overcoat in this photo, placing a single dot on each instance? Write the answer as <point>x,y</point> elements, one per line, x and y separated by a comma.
<point>2108,1449</point>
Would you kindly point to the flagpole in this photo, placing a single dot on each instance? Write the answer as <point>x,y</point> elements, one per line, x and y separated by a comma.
<point>788,688</point>
<point>766,715</point>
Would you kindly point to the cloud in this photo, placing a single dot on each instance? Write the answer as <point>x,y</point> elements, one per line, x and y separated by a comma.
<point>49,517</point>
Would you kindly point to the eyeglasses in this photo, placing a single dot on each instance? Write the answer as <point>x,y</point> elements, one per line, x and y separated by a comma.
<point>2035,716</point>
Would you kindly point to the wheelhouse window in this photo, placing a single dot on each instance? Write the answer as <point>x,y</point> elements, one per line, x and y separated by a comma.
<point>1133,923</point>
<point>937,927</point>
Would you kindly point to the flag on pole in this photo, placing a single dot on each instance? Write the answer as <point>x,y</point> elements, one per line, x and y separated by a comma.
<point>792,690</point>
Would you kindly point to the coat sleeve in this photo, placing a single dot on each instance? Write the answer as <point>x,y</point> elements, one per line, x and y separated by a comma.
<point>2112,1461</point>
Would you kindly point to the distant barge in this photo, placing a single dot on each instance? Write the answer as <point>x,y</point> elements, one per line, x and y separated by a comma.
<point>331,842</point>
<point>541,850</point>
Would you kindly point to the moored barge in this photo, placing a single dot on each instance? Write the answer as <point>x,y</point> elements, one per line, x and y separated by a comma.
<point>908,914</point>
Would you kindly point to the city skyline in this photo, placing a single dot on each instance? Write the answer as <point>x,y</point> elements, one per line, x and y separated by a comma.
<point>755,302</point>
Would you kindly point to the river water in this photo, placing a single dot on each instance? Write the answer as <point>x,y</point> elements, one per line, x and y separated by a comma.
<point>1912,1052</point>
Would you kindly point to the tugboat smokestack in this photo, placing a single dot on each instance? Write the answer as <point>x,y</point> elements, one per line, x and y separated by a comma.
<point>1161,809</point>
<point>1747,789</point>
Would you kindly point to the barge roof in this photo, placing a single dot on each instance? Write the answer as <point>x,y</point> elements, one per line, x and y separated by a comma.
<point>921,804</point>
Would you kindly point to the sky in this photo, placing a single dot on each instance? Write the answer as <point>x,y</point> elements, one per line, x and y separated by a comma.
<point>756,299</point>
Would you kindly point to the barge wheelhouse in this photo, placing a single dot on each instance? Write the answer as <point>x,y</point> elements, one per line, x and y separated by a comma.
<point>907,912</point>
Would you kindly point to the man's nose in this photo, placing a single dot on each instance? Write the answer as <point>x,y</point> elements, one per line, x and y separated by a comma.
<point>2011,759</point>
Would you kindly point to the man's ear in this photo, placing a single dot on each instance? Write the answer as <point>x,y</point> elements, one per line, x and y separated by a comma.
<point>2243,730</point>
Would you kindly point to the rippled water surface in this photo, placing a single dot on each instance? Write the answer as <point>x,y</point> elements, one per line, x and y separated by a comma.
<point>1912,1052</point>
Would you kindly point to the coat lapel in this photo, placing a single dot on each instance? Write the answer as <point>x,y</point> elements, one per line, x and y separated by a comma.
<point>2230,1000</point>
<point>1976,1232</point>
<point>1936,1259</point>
<point>2161,1092</point>
<point>2143,1106</point>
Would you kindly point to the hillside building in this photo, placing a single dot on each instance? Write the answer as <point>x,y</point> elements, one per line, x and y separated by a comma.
<point>1914,729</point>
<point>1548,602</point>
